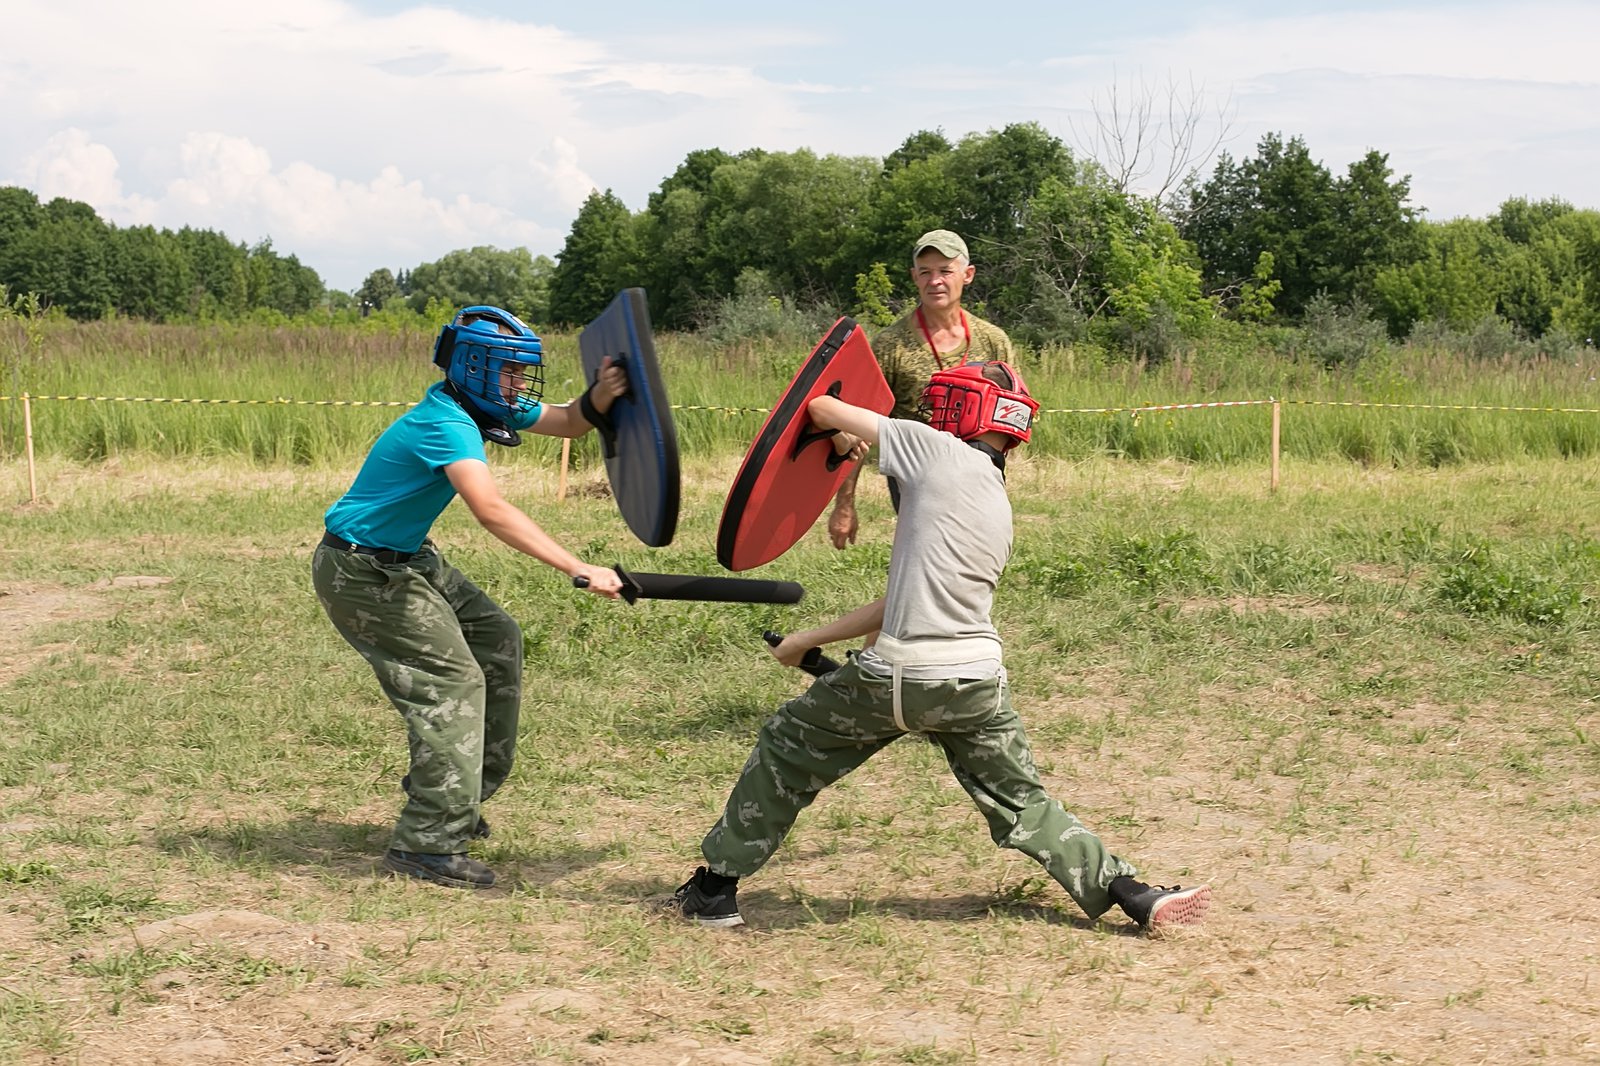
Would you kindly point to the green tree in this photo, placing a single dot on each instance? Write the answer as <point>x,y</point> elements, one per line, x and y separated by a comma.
<point>65,260</point>
<point>87,267</point>
<point>1218,222</point>
<point>510,278</point>
<point>1150,271</point>
<point>20,214</point>
<point>873,293</point>
<point>695,173</point>
<point>671,236</point>
<point>1452,281</point>
<point>904,203</point>
<point>1579,313</point>
<point>788,214</point>
<point>980,188</point>
<point>673,253</point>
<point>1090,253</point>
<point>1294,219</point>
<point>1257,294</point>
<point>379,288</point>
<point>1374,226</point>
<point>151,276</point>
<point>996,174</point>
<point>1539,269</point>
<point>922,145</point>
<point>1324,235</point>
<point>214,264</point>
<point>1522,221</point>
<point>597,259</point>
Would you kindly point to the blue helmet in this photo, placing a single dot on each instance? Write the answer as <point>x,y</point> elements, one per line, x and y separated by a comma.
<point>495,361</point>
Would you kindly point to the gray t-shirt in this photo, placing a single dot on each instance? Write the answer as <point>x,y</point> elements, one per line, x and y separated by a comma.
<point>951,542</point>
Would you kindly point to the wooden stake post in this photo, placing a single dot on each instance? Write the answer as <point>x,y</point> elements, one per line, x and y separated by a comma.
<point>1277,421</point>
<point>27,436</point>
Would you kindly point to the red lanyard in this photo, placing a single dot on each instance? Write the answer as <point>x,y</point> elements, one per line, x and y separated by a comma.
<point>965,325</point>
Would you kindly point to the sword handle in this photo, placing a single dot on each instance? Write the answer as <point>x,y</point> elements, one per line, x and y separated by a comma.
<point>812,662</point>
<point>630,589</point>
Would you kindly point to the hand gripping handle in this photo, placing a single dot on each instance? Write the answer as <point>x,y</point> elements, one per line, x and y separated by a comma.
<point>812,662</point>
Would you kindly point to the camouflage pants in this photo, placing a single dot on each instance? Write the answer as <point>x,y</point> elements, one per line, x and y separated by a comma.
<point>450,660</point>
<point>847,716</point>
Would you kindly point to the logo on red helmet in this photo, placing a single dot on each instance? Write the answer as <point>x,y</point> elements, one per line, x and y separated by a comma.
<point>967,401</point>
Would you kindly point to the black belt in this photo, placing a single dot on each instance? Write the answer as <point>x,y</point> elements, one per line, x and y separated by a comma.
<point>382,555</point>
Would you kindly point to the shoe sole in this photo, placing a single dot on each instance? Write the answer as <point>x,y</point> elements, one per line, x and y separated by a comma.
<point>726,921</point>
<point>422,873</point>
<point>672,907</point>
<point>1181,908</point>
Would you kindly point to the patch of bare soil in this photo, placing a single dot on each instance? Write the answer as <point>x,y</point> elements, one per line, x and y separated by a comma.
<point>1301,606</point>
<point>1381,573</point>
<point>1429,932</point>
<point>25,609</point>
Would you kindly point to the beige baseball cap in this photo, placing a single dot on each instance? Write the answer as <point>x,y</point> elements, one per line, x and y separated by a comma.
<point>942,241</point>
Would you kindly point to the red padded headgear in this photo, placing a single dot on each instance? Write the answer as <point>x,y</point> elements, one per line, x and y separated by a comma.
<point>965,401</point>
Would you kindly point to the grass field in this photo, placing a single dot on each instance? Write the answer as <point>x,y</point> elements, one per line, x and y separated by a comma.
<point>1364,709</point>
<point>721,390</point>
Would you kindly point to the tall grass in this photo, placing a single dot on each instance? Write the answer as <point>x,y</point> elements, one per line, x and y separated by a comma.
<point>719,390</point>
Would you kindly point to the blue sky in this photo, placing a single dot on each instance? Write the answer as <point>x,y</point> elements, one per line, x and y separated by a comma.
<point>366,133</point>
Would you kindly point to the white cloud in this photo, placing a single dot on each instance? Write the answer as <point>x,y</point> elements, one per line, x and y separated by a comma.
<point>353,140</point>
<point>358,140</point>
<point>71,165</point>
<point>558,165</point>
<point>230,184</point>
<point>1468,103</point>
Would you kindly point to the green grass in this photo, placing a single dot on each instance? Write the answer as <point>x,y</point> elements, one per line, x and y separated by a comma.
<point>1340,702</point>
<point>719,391</point>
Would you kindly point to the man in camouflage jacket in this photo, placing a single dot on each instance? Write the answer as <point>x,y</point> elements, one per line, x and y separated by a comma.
<point>935,334</point>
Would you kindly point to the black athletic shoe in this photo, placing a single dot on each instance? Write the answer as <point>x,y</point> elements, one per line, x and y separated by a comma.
<point>1154,906</point>
<point>456,871</point>
<point>718,909</point>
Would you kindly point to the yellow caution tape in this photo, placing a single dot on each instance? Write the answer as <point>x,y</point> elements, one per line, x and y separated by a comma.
<point>284,401</point>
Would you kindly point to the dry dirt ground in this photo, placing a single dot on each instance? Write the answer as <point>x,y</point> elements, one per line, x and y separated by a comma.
<point>1444,927</point>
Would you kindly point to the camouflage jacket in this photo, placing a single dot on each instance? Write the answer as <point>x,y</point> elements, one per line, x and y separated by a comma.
<point>908,362</point>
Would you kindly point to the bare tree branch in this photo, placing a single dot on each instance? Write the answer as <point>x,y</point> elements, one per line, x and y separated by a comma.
<point>1149,153</point>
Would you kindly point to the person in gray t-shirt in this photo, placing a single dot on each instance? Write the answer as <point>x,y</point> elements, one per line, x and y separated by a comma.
<point>936,667</point>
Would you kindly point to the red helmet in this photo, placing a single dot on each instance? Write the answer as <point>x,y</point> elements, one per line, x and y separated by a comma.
<point>969,400</point>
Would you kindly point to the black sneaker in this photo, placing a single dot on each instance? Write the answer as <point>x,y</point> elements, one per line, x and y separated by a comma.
<point>718,909</point>
<point>1154,906</point>
<point>456,871</point>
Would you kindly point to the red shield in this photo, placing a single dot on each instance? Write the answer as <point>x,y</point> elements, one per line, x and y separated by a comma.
<point>791,471</point>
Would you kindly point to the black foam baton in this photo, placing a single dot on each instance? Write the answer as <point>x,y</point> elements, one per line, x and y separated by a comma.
<point>636,586</point>
<point>812,662</point>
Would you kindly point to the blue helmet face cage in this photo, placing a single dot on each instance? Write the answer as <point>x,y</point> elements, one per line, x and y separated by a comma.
<point>481,352</point>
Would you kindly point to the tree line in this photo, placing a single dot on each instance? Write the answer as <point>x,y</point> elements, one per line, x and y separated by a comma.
<point>73,260</point>
<point>1064,249</point>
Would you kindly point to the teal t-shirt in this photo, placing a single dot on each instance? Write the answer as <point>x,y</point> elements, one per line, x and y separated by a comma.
<point>402,488</point>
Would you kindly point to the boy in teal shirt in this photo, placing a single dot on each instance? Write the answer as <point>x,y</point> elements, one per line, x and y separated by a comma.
<point>446,655</point>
